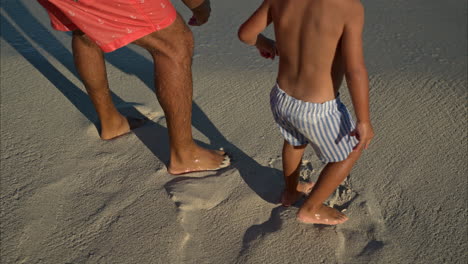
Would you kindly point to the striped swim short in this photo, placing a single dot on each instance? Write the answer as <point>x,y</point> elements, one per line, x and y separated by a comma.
<point>111,24</point>
<point>326,127</point>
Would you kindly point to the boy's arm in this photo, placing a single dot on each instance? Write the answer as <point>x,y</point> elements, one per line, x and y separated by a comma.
<point>356,74</point>
<point>201,10</point>
<point>249,32</point>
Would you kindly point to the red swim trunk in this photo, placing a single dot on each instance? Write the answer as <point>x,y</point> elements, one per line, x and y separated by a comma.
<point>111,24</point>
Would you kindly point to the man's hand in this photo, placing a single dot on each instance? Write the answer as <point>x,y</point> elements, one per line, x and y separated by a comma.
<point>201,14</point>
<point>266,46</point>
<point>364,133</point>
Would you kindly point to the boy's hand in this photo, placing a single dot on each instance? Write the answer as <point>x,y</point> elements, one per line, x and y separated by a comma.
<point>201,14</point>
<point>364,133</point>
<point>267,47</point>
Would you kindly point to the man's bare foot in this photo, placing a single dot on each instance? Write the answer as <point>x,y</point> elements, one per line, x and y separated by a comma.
<point>122,126</point>
<point>196,158</point>
<point>322,215</point>
<point>303,189</point>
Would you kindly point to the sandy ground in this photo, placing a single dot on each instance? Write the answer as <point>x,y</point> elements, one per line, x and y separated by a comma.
<point>67,197</point>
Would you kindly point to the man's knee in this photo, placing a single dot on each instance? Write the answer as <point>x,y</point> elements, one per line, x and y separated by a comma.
<point>188,39</point>
<point>175,42</point>
<point>179,48</point>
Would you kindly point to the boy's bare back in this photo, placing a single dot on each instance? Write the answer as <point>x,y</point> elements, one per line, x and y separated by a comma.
<point>307,35</point>
<point>318,41</point>
<point>308,41</point>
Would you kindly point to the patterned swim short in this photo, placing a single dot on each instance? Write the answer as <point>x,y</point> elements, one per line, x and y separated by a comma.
<point>326,127</point>
<point>111,24</point>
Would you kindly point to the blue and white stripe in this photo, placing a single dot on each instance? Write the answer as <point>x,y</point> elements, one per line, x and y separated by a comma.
<point>326,127</point>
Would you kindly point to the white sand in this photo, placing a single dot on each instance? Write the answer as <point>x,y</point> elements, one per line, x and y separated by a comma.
<point>67,197</point>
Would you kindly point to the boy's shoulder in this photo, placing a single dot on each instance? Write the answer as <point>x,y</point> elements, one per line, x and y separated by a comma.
<point>354,10</point>
<point>355,6</point>
<point>350,6</point>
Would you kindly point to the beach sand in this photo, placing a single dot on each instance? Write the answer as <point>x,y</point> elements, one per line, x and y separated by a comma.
<point>68,197</point>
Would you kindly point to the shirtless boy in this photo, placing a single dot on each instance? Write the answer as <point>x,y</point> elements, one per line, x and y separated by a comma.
<point>318,42</point>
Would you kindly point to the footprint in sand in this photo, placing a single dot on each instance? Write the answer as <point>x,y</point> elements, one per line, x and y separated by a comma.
<point>360,244</point>
<point>342,197</point>
<point>307,171</point>
<point>276,163</point>
<point>201,193</point>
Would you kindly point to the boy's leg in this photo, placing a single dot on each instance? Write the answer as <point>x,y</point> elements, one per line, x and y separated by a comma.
<point>292,158</point>
<point>172,50</point>
<point>314,211</point>
<point>89,62</point>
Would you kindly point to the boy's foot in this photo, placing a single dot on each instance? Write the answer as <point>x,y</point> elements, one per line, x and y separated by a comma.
<point>323,215</point>
<point>303,189</point>
<point>197,160</point>
<point>120,127</point>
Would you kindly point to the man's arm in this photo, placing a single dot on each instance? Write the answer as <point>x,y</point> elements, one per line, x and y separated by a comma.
<point>201,10</point>
<point>356,73</point>
<point>250,31</point>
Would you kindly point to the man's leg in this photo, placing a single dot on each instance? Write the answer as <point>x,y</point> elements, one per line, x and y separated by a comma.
<point>313,210</point>
<point>89,62</point>
<point>292,159</point>
<point>172,50</point>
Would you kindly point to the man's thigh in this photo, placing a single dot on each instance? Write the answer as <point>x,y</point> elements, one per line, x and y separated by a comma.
<point>176,39</point>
